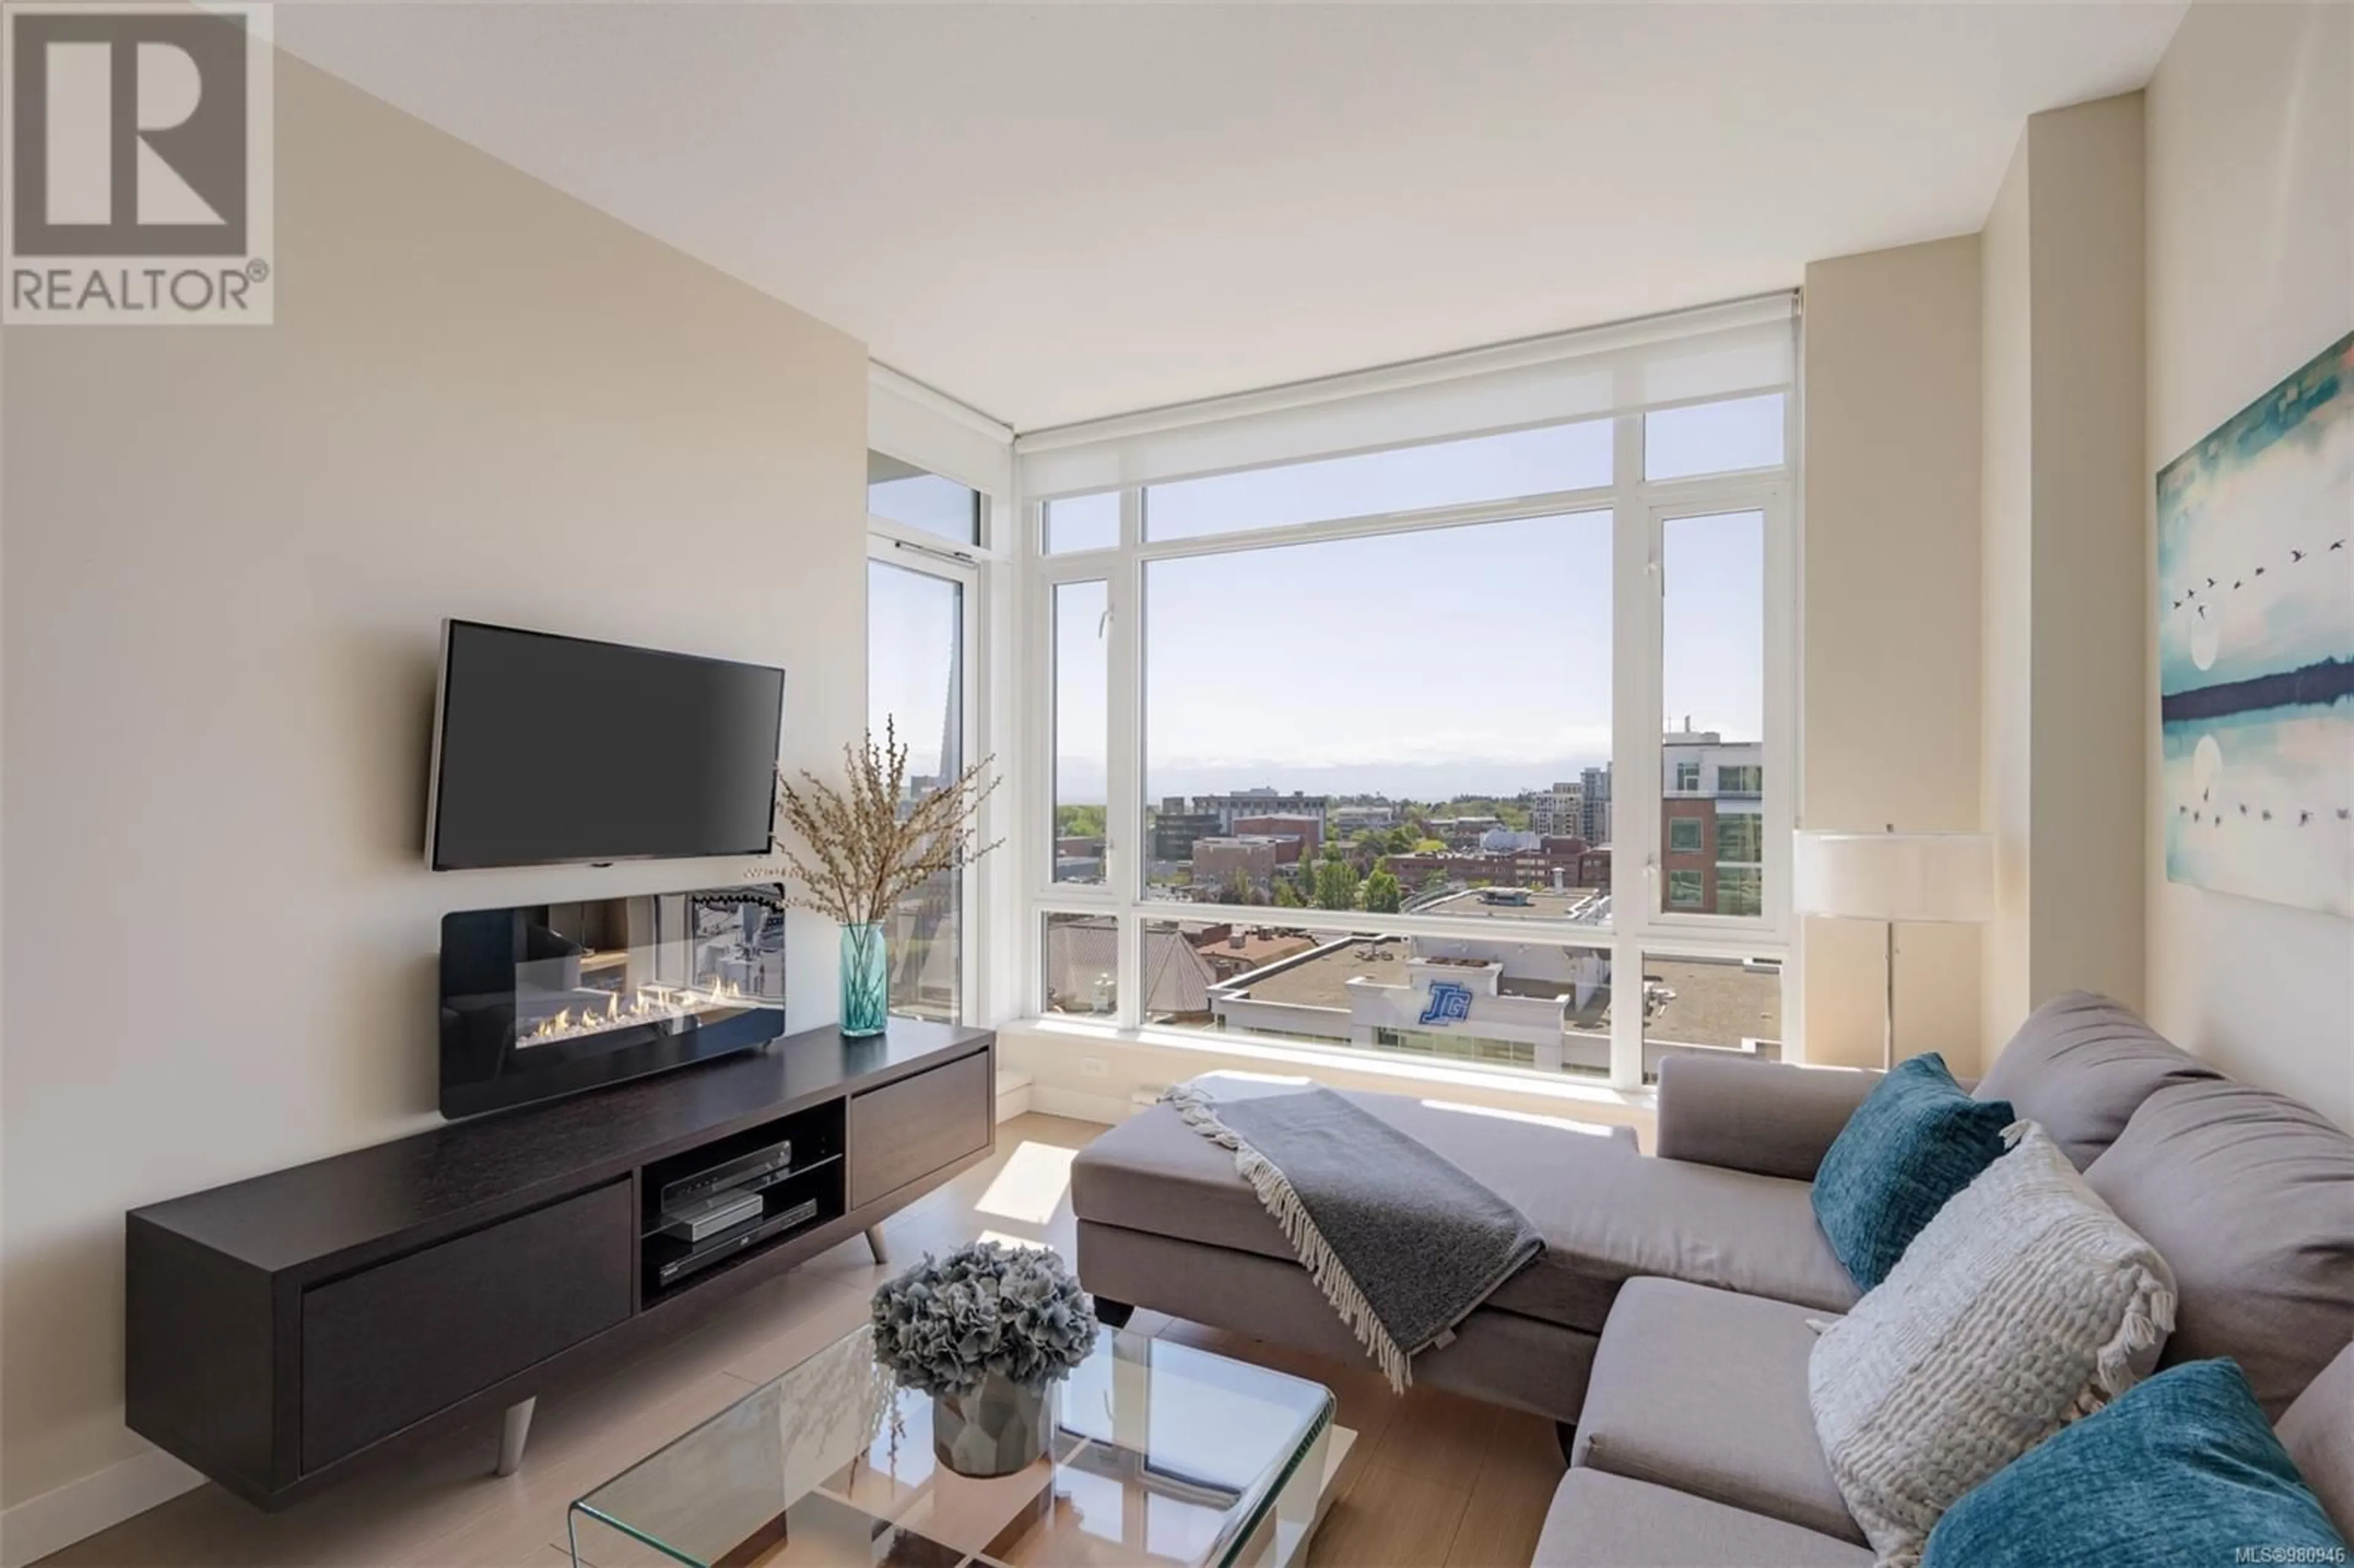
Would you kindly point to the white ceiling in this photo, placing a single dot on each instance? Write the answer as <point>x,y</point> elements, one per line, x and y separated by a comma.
<point>1064,211</point>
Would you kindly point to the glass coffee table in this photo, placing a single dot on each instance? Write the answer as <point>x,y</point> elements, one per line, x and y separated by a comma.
<point>1161,1453</point>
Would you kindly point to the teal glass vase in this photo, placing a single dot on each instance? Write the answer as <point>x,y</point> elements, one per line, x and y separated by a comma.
<point>865,980</point>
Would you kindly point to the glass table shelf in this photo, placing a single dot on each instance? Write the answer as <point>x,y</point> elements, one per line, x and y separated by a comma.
<point>1162,1454</point>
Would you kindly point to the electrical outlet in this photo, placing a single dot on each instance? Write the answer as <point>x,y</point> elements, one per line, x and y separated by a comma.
<point>1093,1066</point>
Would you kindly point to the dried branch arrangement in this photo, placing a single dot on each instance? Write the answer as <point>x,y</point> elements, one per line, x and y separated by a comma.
<point>863,847</point>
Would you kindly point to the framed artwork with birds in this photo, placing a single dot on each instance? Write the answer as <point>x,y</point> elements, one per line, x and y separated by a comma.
<point>2256,646</point>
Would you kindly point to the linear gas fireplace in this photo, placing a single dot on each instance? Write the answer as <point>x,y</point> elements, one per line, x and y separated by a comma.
<point>548,999</point>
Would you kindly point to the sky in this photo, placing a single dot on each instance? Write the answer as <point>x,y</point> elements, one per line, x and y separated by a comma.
<point>912,631</point>
<point>1474,660</point>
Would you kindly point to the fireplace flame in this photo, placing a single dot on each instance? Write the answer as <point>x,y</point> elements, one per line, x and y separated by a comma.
<point>646,1004</point>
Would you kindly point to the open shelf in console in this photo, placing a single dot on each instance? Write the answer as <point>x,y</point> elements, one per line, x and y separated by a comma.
<point>793,1167</point>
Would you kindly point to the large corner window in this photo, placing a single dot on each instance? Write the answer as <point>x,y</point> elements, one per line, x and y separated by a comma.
<point>1343,692</point>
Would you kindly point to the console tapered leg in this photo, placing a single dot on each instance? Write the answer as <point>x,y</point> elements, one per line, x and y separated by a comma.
<point>874,1245</point>
<point>513,1433</point>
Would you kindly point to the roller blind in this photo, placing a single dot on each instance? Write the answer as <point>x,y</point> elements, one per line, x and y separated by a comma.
<point>1719,351</point>
<point>909,421</point>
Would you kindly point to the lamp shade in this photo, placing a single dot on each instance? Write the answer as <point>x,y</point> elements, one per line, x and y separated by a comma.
<point>1894,877</point>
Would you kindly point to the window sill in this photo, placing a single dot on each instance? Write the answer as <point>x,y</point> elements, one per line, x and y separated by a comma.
<point>1397,1075</point>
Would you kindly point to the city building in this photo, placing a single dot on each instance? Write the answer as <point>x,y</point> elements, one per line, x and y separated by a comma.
<point>1462,832</point>
<point>1082,969</point>
<point>1174,828</point>
<point>1307,830</point>
<point>1712,824</point>
<point>1261,801</point>
<point>1559,864</point>
<point>1218,861</point>
<point>1560,809</point>
<point>1593,805</point>
<point>1352,819</point>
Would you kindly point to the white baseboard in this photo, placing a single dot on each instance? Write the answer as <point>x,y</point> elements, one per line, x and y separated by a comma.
<point>79,1509</point>
<point>1012,1094</point>
<point>1110,1110</point>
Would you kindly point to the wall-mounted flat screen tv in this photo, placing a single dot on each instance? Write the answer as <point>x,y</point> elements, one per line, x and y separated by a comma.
<point>549,750</point>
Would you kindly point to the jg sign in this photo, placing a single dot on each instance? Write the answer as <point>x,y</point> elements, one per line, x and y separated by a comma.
<point>136,164</point>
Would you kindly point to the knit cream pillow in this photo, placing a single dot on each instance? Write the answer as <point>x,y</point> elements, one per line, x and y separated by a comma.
<point>2025,1304</point>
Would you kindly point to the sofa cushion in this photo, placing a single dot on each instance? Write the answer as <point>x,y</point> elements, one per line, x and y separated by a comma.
<point>2180,1469</point>
<point>1601,1520</point>
<point>1605,1213</point>
<point>2249,1197</point>
<point>1776,1118</point>
<point>2023,1304</point>
<point>1705,1391</point>
<point>2081,1065</point>
<point>1917,1140</point>
<point>2319,1433</point>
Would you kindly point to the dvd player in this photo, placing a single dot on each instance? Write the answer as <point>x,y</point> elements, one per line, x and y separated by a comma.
<point>770,1161</point>
<point>706,1254</point>
<point>699,1221</point>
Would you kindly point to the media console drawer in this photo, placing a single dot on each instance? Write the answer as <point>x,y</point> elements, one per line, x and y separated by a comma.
<point>905,1131</point>
<point>392,1344</point>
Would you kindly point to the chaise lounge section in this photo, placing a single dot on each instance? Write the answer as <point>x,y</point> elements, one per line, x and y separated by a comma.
<point>1165,1223</point>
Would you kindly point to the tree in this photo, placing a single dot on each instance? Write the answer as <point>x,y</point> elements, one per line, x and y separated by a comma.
<point>1287,897</point>
<point>1399,842</point>
<point>1078,821</point>
<point>1385,894</point>
<point>1434,883</point>
<point>1238,888</point>
<point>1336,884</point>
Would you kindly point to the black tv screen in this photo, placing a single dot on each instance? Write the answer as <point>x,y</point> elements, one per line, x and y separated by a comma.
<point>554,749</point>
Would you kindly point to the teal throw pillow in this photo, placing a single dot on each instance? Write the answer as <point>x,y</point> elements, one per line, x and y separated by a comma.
<point>2181,1469</point>
<point>1914,1142</point>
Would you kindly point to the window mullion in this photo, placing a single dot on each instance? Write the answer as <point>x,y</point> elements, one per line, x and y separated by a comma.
<point>1124,858</point>
<point>1634,748</point>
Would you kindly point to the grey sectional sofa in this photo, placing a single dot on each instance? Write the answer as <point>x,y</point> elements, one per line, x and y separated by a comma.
<point>1667,1317</point>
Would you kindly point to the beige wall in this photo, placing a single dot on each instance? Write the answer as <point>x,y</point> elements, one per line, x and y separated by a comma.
<point>228,554</point>
<point>1891,658</point>
<point>2006,492</point>
<point>2250,194</point>
<point>2064,722</point>
<point>2090,727</point>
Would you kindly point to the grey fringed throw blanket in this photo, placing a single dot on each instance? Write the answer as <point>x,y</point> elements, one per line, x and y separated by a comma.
<point>1401,1242</point>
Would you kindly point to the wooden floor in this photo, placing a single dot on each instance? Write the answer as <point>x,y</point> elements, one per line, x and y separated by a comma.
<point>1435,1478</point>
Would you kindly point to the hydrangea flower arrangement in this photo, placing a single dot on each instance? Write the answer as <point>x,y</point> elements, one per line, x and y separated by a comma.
<point>948,1323</point>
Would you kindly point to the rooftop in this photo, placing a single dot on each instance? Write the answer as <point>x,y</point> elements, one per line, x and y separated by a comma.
<point>1715,1002</point>
<point>1543,904</point>
<point>1323,980</point>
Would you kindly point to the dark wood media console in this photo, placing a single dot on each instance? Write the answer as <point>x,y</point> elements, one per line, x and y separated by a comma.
<point>279,1331</point>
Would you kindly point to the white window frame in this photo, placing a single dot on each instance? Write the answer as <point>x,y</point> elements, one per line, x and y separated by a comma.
<point>887,550</point>
<point>919,426</point>
<point>1640,927</point>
